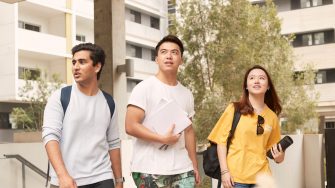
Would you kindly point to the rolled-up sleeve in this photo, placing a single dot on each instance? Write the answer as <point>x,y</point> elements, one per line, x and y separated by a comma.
<point>113,137</point>
<point>53,119</point>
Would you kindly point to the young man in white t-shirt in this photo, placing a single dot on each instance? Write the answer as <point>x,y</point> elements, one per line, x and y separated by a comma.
<point>174,164</point>
<point>82,141</point>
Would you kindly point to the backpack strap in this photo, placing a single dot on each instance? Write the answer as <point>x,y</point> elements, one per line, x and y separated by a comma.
<point>110,102</point>
<point>237,116</point>
<point>65,96</point>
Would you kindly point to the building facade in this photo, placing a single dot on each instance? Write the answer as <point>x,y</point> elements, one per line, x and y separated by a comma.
<point>37,36</point>
<point>313,23</point>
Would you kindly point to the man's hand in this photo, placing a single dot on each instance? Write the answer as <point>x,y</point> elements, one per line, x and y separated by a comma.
<point>197,177</point>
<point>170,138</point>
<point>66,181</point>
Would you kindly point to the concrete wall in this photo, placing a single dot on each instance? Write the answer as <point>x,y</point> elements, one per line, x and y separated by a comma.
<point>8,50</point>
<point>11,169</point>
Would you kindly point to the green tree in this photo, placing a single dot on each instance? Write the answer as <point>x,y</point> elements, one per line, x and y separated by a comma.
<point>35,92</point>
<point>225,38</point>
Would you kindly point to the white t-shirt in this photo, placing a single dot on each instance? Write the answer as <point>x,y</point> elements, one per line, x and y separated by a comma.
<point>147,158</point>
<point>85,134</point>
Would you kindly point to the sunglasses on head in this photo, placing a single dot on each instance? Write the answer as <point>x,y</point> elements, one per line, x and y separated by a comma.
<point>260,122</point>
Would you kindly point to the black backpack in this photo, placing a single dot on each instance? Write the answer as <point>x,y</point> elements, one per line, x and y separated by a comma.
<point>65,100</point>
<point>211,162</point>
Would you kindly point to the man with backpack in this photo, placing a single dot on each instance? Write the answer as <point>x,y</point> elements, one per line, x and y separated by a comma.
<point>80,129</point>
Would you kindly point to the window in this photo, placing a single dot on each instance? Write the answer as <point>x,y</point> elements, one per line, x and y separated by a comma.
<point>135,16</point>
<point>153,55</point>
<point>81,38</point>
<point>28,26</point>
<point>4,120</point>
<point>28,73</point>
<point>325,76</point>
<point>154,22</point>
<point>134,51</point>
<point>314,38</point>
<point>131,83</point>
<point>330,125</point>
<point>298,4</point>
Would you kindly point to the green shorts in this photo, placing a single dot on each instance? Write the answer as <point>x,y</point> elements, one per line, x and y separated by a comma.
<point>184,180</point>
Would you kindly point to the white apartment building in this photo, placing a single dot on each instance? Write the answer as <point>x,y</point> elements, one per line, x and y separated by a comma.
<point>313,23</point>
<point>37,35</point>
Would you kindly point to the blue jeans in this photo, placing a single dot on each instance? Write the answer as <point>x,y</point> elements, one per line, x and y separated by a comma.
<point>242,185</point>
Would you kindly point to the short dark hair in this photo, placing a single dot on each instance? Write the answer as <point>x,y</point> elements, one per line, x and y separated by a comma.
<point>97,54</point>
<point>173,39</point>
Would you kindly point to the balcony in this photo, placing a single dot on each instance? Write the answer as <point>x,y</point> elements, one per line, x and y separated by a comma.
<point>143,68</point>
<point>84,8</point>
<point>54,4</point>
<point>308,19</point>
<point>321,56</point>
<point>41,42</point>
<point>151,7</point>
<point>137,33</point>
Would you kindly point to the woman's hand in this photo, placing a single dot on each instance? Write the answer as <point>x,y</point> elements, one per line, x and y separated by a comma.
<point>278,155</point>
<point>227,180</point>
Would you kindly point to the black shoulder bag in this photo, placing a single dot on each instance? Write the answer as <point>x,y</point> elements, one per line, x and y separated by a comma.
<point>211,162</point>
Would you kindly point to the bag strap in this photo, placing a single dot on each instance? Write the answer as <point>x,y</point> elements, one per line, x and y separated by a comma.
<point>236,119</point>
<point>110,102</point>
<point>65,96</point>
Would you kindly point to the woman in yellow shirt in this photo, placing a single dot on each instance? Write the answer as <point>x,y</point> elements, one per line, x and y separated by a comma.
<point>257,131</point>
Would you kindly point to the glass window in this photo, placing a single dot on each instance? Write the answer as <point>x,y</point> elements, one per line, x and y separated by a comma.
<point>29,74</point>
<point>330,125</point>
<point>319,38</point>
<point>307,40</point>
<point>325,76</point>
<point>28,26</point>
<point>154,22</point>
<point>81,38</point>
<point>135,16</point>
<point>4,120</point>
<point>320,77</point>
<point>134,51</point>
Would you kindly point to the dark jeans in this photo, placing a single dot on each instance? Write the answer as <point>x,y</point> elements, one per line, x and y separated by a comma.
<point>242,185</point>
<point>102,184</point>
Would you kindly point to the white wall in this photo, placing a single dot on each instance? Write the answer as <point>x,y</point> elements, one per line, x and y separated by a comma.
<point>290,173</point>
<point>85,27</point>
<point>56,25</point>
<point>84,8</point>
<point>11,169</point>
<point>10,173</point>
<point>57,4</point>
<point>308,19</point>
<point>8,51</point>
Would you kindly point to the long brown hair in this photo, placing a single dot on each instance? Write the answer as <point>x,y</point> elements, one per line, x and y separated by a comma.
<point>271,98</point>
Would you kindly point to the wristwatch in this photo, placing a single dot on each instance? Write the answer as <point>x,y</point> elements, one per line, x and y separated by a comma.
<point>119,180</point>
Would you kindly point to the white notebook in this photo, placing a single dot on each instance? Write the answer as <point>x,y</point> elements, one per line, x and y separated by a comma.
<point>167,114</point>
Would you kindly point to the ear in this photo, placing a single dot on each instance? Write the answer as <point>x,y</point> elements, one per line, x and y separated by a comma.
<point>97,67</point>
